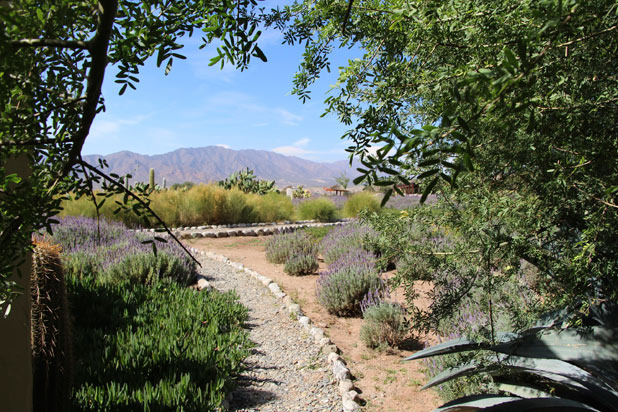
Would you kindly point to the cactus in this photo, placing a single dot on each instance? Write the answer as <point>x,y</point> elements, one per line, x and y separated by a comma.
<point>246,181</point>
<point>126,180</point>
<point>152,179</point>
<point>164,183</point>
<point>50,331</point>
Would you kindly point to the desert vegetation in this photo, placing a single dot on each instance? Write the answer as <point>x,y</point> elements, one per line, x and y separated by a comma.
<point>128,308</point>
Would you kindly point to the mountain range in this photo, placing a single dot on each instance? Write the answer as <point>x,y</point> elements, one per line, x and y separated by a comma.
<point>213,163</point>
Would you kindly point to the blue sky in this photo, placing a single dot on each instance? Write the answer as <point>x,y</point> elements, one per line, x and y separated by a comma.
<point>197,105</point>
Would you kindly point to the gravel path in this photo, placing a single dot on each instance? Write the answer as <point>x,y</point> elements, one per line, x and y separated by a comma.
<point>286,370</point>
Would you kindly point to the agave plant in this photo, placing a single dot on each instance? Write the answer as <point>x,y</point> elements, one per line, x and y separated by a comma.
<point>547,367</point>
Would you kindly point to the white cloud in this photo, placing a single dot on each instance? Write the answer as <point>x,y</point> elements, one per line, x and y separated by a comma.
<point>223,146</point>
<point>296,149</point>
<point>288,117</point>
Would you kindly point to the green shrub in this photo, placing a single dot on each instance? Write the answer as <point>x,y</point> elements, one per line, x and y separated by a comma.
<point>384,326</point>
<point>280,248</point>
<point>146,268</point>
<point>320,209</point>
<point>319,232</point>
<point>359,202</point>
<point>163,347</point>
<point>342,288</point>
<point>299,265</point>
<point>272,207</point>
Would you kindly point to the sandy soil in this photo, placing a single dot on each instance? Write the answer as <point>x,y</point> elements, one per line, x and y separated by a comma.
<point>387,383</point>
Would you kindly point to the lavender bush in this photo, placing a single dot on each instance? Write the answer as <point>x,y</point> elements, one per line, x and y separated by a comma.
<point>341,289</point>
<point>111,252</point>
<point>344,239</point>
<point>280,248</point>
<point>299,265</point>
<point>384,325</point>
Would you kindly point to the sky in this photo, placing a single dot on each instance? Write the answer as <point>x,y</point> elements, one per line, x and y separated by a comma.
<point>198,105</point>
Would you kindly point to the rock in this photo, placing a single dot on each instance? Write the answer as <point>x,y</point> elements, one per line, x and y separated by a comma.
<point>222,234</point>
<point>232,233</point>
<point>340,371</point>
<point>350,406</point>
<point>265,281</point>
<point>294,308</point>
<point>249,232</point>
<point>202,284</point>
<point>351,395</point>
<point>324,341</point>
<point>317,333</point>
<point>330,348</point>
<point>209,234</point>
<point>332,357</point>
<point>304,320</point>
<point>346,386</point>
<point>196,235</point>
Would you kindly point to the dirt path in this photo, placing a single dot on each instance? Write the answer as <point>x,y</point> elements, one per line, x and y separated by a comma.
<point>387,383</point>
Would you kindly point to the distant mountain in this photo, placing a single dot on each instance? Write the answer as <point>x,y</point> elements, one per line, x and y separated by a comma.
<point>212,163</point>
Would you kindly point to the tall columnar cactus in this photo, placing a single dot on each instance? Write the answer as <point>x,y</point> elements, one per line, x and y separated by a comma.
<point>152,179</point>
<point>164,183</point>
<point>50,331</point>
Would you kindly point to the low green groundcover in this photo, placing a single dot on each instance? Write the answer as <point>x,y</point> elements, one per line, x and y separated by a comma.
<point>154,348</point>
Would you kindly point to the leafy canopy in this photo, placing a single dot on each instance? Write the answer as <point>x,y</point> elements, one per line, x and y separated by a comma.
<point>53,57</point>
<point>508,109</point>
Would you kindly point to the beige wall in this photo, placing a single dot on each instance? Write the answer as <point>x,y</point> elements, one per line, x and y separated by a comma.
<point>15,351</point>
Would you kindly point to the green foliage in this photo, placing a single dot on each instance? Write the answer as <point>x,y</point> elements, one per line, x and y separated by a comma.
<point>53,58</point>
<point>318,232</point>
<point>343,180</point>
<point>146,268</point>
<point>280,248</point>
<point>272,207</point>
<point>320,209</point>
<point>151,179</point>
<point>359,202</point>
<point>547,366</point>
<point>384,326</point>
<point>301,264</point>
<point>301,193</point>
<point>159,347</point>
<point>247,182</point>
<point>508,111</point>
<point>195,206</point>
<point>341,289</point>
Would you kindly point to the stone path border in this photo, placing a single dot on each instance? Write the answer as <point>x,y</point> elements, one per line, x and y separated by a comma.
<point>349,397</point>
<point>251,229</point>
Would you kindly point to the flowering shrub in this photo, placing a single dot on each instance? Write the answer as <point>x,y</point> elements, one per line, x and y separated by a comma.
<point>110,252</point>
<point>298,265</point>
<point>341,289</point>
<point>343,239</point>
<point>280,248</point>
<point>384,325</point>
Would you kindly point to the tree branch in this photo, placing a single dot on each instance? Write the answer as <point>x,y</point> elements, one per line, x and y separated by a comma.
<point>141,202</point>
<point>98,50</point>
<point>61,44</point>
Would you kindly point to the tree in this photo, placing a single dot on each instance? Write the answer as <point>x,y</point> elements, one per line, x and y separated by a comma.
<point>343,180</point>
<point>508,109</point>
<point>53,57</point>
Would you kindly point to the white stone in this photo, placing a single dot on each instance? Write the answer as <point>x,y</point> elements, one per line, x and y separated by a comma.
<point>304,320</point>
<point>317,333</point>
<point>345,386</point>
<point>340,371</point>
<point>351,395</point>
<point>294,308</point>
<point>333,356</point>
<point>324,341</point>
<point>350,406</point>
<point>202,284</point>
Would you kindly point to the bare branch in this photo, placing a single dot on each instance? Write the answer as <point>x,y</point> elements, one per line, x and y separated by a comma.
<point>98,50</point>
<point>140,201</point>
<point>61,44</point>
